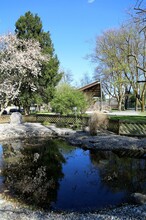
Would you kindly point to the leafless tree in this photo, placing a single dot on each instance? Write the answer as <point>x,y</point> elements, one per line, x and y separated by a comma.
<point>140,9</point>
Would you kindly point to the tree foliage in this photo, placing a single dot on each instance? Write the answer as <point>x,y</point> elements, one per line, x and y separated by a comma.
<point>20,61</point>
<point>140,17</point>
<point>120,57</point>
<point>111,64</point>
<point>30,26</point>
<point>66,98</point>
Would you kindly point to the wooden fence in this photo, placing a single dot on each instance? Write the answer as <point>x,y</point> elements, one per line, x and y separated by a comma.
<point>4,119</point>
<point>129,128</point>
<point>63,119</point>
<point>120,127</point>
<point>50,119</point>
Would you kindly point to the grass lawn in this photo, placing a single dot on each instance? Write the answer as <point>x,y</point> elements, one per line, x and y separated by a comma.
<point>129,118</point>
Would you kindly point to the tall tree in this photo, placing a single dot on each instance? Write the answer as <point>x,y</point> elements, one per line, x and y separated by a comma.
<point>120,55</point>
<point>135,50</point>
<point>111,64</point>
<point>20,62</point>
<point>30,26</point>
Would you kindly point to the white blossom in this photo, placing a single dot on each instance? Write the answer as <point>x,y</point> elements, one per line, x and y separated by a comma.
<point>20,60</point>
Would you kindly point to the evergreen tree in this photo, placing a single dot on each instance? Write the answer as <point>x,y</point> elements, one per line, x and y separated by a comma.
<point>30,26</point>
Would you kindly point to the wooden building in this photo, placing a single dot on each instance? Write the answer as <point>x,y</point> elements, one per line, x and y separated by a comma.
<point>95,98</point>
<point>92,90</point>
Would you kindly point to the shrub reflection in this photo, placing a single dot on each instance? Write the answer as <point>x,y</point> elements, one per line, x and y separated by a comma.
<point>120,173</point>
<point>33,172</point>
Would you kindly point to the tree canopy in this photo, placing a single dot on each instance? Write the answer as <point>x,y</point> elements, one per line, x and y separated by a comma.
<point>120,57</point>
<point>67,98</point>
<point>20,61</point>
<point>30,26</point>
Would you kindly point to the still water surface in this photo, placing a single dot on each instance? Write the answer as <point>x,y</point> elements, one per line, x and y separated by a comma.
<point>53,175</point>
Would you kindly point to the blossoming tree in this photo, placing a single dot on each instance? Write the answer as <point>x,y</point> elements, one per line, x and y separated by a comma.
<point>20,62</point>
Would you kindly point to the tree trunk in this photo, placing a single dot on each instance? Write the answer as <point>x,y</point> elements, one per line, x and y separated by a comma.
<point>126,102</point>
<point>127,92</point>
<point>136,104</point>
<point>120,105</point>
<point>142,104</point>
<point>26,110</point>
<point>4,106</point>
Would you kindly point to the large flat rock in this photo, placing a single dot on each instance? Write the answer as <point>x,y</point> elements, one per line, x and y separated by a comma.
<point>108,141</point>
<point>25,130</point>
<point>28,130</point>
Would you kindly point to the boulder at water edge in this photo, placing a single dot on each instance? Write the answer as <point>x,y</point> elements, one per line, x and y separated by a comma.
<point>16,118</point>
<point>138,198</point>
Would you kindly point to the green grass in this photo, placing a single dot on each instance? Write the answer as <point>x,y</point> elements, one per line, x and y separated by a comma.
<point>128,118</point>
<point>142,113</point>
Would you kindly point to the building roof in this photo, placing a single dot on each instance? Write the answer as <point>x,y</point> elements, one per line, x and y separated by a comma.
<point>89,86</point>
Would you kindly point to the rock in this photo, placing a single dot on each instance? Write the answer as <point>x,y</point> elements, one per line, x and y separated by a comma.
<point>16,118</point>
<point>138,198</point>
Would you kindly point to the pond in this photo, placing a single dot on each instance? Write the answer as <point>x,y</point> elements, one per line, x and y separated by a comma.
<point>53,175</point>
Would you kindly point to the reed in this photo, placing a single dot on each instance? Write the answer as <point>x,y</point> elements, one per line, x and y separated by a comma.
<point>97,121</point>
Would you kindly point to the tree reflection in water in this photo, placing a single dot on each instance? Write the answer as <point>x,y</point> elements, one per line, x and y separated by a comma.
<point>52,174</point>
<point>120,173</point>
<point>33,171</point>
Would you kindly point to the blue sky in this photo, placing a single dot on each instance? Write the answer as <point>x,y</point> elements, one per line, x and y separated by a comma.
<point>73,24</point>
